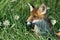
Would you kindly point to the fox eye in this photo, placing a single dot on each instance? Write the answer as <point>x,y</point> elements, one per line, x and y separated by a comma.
<point>34,16</point>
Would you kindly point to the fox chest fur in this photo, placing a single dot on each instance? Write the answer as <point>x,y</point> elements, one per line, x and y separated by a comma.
<point>43,27</point>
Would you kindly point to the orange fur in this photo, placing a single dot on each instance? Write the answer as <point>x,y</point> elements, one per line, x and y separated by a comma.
<point>58,34</point>
<point>36,15</point>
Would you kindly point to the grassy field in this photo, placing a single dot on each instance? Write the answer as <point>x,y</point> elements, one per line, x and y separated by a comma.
<point>13,14</point>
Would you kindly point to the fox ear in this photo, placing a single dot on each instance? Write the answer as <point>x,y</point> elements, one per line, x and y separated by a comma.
<point>31,8</point>
<point>42,8</point>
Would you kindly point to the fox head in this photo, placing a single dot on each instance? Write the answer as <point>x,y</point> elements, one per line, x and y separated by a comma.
<point>36,14</point>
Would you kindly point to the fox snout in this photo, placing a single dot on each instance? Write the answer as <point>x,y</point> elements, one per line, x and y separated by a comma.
<point>29,22</point>
<point>32,22</point>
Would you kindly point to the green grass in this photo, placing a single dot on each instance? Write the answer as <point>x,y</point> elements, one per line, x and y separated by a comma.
<point>9,9</point>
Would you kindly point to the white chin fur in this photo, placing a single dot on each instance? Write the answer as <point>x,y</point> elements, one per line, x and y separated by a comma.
<point>28,23</point>
<point>36,21</point>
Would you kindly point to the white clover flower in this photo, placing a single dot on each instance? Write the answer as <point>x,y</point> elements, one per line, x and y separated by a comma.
<point>0,23</point>
<point>53,22</point>
<point>6,23</point>
<point>16,17</point>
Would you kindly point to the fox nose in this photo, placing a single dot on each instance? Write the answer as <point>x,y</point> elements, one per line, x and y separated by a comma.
<point>29,23</point>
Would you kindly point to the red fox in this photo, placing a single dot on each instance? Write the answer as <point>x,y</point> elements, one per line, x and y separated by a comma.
<point>39,18</point>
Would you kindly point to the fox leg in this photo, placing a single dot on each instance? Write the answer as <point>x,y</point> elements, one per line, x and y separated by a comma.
<point>36,30</point>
